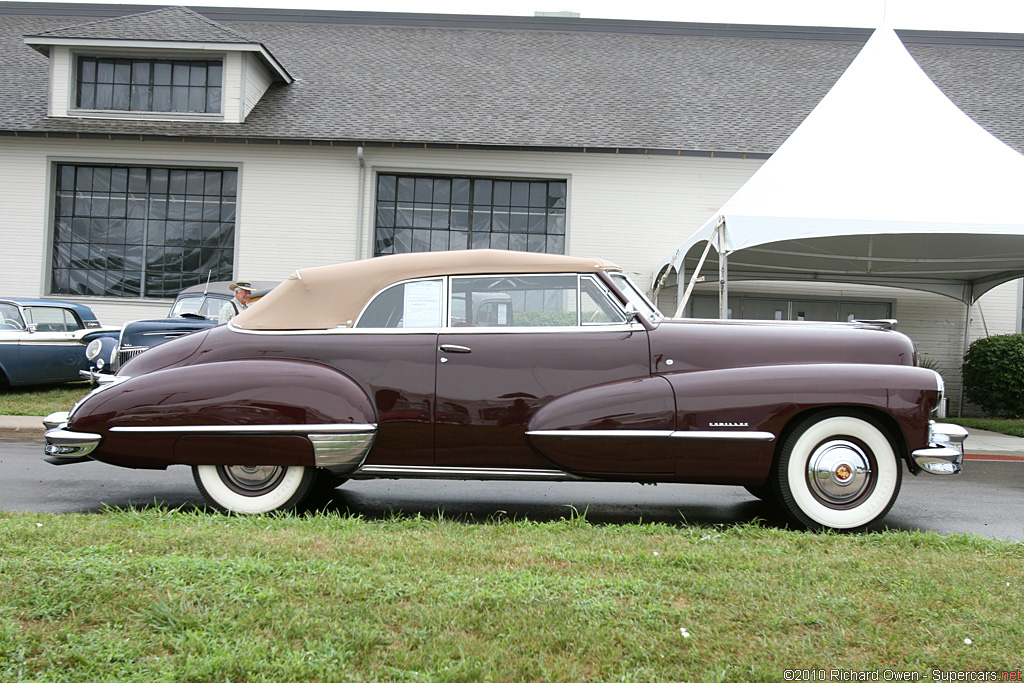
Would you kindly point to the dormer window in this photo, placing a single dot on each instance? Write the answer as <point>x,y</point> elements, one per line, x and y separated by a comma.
<point>149,85</point>
<point>170,64</point>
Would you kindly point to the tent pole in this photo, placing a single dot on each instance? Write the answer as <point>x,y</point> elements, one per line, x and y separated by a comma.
<point>967,344</point>
<point>723,274</point>
<point>694,279</point>
<point>664,276</point>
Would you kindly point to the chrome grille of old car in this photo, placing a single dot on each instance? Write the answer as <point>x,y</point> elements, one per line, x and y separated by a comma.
<point>126,353</point>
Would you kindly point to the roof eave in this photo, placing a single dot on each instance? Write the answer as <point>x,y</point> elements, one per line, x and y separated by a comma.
<point>44,43</point>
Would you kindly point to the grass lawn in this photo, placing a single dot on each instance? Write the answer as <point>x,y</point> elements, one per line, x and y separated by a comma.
<point>160,595</point>
<point>41,400</point>
<point>1005,425</point>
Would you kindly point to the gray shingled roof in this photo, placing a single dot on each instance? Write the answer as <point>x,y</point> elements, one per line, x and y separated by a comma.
<point>169,23</point>
<point>377,78</point>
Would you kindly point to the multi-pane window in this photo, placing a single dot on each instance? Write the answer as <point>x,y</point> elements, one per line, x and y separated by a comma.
<point>149,85</point>
<point>431,213</point>
<point>141,232</point>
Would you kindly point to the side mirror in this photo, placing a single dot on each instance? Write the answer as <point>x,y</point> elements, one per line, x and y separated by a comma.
<point>32,327</point>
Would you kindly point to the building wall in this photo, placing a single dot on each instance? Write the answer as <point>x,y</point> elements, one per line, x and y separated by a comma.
<point>60,80</point>
<point>628,208</point>
<point>255,81</point>
<point>298,207</point>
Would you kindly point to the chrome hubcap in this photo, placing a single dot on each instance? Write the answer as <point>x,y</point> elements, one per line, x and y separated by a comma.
<point>839,472</point>
<point>251,480</point>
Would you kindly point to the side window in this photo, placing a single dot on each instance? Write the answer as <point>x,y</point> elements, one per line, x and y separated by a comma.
<point>515,301</point>
<point>633,295</point>
<point>409,305</point>
<point>47,319</point>
<point>596,306</point>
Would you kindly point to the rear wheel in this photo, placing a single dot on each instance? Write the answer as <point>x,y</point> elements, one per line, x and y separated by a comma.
<point>254,489</point>
<point>837,471</point>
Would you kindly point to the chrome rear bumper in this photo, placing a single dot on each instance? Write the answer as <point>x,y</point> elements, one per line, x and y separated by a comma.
<point>945,451</point>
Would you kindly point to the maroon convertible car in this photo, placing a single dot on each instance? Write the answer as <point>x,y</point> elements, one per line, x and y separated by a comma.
<point>507,365</point>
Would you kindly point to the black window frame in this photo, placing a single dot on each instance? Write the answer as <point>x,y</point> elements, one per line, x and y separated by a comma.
<point>133,231</point>
<point>144,84</point>
<point>433,212</point>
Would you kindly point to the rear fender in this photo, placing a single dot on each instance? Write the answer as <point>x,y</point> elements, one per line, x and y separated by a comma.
<point>620,430</point>
<point>242,412</point>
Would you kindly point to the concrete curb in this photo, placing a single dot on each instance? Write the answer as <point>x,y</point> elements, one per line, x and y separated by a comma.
<point>27,426</point>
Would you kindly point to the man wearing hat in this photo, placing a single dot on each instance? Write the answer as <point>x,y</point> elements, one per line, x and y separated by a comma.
<point>243,292</point>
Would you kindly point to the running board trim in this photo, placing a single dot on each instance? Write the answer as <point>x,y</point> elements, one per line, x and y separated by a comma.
<point>470,473</point>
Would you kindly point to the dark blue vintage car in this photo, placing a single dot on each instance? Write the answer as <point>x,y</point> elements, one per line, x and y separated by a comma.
<point>195,308</point>
<point>42,340</point>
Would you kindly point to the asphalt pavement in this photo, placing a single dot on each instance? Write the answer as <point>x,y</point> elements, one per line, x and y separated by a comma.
<point>985,500</point>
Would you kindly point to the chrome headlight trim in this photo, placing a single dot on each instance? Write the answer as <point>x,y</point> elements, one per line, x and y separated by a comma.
<point>92,351</point>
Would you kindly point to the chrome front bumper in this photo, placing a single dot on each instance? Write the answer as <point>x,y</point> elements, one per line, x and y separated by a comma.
<point>945,451</point>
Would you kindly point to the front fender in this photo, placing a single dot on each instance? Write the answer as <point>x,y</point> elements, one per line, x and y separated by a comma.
<point>772,399</point>
<point>243,412</point>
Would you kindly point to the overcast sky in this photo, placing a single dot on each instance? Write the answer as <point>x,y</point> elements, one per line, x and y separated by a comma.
<point>954,15</point>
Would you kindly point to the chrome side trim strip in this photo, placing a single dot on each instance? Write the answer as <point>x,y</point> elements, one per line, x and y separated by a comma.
<point>656,434</point>
<point>564,329</point>
<point>605,433</point>
<point>251,429</point>
<point>477,473</point>
<point>725,436</point>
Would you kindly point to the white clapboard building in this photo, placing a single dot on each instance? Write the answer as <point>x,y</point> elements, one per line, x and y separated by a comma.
<point>148,149</point>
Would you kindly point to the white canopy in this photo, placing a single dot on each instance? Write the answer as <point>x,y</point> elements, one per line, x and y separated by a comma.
<point>886,182</point>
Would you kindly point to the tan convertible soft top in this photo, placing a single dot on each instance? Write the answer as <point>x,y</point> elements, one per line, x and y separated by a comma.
<point>326,297</point>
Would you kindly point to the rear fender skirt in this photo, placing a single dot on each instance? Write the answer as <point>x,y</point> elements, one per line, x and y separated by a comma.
<point>241,412</point>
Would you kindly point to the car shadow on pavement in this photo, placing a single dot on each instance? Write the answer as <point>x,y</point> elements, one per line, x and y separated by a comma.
<point>604,510</point>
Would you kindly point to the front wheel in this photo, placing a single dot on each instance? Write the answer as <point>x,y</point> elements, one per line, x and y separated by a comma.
<point>837,471</point>
<point>252,490</point>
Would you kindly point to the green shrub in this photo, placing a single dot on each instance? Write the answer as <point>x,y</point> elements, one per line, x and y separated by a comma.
<point>993,374</point>
<point>544,318</point>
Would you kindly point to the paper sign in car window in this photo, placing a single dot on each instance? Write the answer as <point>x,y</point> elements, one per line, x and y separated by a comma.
<point>422,304</point>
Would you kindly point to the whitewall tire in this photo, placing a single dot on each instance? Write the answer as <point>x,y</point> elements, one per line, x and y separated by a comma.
<point>838,471</point>
<point>253,490</point>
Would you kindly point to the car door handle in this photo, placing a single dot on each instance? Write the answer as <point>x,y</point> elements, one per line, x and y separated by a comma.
<point>454,348</point>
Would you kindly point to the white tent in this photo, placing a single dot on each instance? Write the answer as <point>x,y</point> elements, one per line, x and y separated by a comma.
<point>886,182</point>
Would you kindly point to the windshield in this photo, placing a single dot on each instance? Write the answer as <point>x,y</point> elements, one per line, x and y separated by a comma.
<point>635,297</point>
<point>10,318</point>
<point>200,304</point>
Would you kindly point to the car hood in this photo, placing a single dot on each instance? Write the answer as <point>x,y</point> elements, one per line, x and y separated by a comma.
<point>695,344</point>
<point>153,332</point>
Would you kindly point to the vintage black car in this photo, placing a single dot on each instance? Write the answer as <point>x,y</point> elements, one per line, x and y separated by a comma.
<point>506,365</point>
<point>195,308</point>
